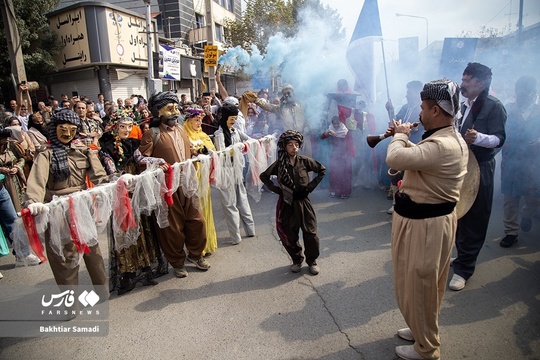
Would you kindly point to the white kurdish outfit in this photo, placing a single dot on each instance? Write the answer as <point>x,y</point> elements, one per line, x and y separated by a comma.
<point>234,200</point>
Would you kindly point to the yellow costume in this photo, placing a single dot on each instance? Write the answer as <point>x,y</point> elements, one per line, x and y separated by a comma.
<point>199,139</point>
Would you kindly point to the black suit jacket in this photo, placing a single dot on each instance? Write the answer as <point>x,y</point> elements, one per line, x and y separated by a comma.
<point>490,121</point>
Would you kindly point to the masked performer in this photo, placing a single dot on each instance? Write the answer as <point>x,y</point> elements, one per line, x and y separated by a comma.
<point>234,201</point>
<point>62,170</point>
<point>290,111</point>
<point>167,140</point>
<point>116,154</point>
<point>202,143</point>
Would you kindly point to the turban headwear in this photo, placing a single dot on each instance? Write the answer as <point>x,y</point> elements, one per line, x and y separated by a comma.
<point>285,179</point>
<point>161,99</point>
<point>60,164</point>
<point>445,93</point>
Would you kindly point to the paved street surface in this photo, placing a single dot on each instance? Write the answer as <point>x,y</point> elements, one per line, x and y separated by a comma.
<point>249,306</point>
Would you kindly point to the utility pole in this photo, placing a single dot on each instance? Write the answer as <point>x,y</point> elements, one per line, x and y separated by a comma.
<point>13,42</point>
<point>210,30</point>
<point>151,84</point>
<point>520,23</point>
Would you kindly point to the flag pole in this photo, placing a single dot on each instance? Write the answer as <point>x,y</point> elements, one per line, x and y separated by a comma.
<point>389,109</point>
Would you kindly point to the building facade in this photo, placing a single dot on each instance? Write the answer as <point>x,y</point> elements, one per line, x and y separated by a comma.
<point>183,28</point>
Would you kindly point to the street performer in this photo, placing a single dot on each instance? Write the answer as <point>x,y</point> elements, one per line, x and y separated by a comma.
<point>61,170</point>
<point>128,264</point>
<point>167,140</point>
<point>424,219</point>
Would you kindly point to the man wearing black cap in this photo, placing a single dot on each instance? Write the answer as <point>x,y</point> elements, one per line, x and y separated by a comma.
<point>62,170</point>
<point>483,128</point>
<point>209,122</point>
<point>424,219</point>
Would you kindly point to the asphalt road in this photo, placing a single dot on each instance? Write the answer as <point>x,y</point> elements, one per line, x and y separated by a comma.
<point>249,306</point>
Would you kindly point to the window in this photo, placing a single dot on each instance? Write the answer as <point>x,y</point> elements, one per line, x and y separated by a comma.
<point>199,21</point>
<point>219,33</point>
<point>223,3</point>
<point>231,5</point>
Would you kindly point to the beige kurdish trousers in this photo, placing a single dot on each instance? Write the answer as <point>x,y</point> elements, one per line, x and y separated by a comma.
<point>421,251</point>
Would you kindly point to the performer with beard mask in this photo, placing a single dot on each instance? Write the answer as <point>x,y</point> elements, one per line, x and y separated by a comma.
<point>167,140</point>
<point>38,132</point>
<point>62,170</point>
<point>291,113</point>
<point>116,155</point>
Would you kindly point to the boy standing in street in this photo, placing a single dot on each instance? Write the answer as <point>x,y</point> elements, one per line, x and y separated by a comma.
<point>294,210</point>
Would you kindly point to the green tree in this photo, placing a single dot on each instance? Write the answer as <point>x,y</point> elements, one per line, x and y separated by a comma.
<point>264,18</point>
<point>39,43</point>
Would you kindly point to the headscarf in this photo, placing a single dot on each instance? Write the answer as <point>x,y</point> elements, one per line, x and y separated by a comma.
<point>196,135</point>
<point>60,164</point>
<point>8,121</point>
<point>42,128</point>
<point>226,111</point>
<point>286,182</point>
<point>446,93</point>
<point>341,130</point>
<point>231,100</point>
<point>120,116</point>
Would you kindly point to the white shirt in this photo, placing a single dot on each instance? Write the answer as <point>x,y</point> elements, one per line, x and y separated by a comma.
<point>482,140</point>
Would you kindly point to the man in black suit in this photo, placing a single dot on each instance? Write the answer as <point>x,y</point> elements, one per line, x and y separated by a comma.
<point>482,126</point>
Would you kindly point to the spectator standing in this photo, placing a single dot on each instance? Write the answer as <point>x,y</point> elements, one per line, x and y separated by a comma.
<point>520,176</point>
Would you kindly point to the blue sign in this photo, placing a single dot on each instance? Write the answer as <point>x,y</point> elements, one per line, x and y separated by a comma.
<point>456,54</point>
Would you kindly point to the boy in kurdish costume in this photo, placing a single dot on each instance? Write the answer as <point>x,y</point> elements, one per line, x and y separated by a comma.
<point>294,210</point>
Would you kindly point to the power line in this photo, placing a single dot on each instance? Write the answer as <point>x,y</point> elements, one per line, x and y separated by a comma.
<point>499,12</point>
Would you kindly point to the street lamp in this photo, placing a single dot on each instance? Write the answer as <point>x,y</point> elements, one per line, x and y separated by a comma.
<point>418,17</point>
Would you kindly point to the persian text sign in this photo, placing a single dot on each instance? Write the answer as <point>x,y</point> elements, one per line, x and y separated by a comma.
<point>127,39</point>
<point>210,55</point>
<point>71,29</point>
